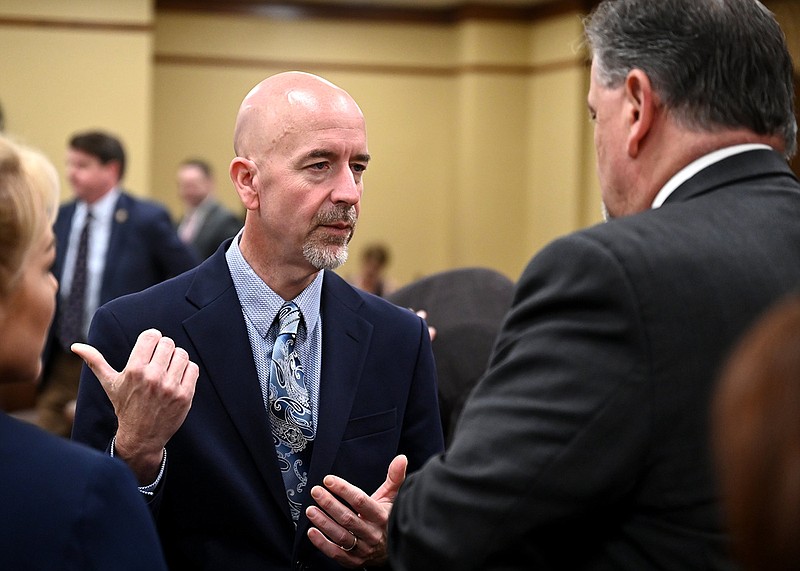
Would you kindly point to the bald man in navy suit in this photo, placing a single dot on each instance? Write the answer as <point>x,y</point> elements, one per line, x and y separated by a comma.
<point>198,423</point>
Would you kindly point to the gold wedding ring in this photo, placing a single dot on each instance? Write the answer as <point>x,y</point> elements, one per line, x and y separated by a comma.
<point>352,547</point>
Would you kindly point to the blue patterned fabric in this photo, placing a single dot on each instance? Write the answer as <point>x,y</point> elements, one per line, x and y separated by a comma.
<point>290,409</point>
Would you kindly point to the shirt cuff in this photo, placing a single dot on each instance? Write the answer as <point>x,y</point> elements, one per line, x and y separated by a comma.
<point>148,490</point>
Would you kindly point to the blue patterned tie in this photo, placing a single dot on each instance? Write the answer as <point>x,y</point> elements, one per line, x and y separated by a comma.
<point>290,410</point>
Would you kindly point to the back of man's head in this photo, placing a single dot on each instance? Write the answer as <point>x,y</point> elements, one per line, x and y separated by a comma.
<point>715,64</point>
<point>105,147</point>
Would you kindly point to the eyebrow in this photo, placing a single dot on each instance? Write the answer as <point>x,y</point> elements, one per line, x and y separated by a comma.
<point>327,154</point>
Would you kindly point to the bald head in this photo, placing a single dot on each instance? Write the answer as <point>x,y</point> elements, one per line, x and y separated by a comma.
<point>284,103</point>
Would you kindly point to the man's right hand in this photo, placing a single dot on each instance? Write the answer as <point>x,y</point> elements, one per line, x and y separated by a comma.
<point>151,397</point>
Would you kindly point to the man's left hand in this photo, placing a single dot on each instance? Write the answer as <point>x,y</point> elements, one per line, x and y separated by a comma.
<point>354,537</point>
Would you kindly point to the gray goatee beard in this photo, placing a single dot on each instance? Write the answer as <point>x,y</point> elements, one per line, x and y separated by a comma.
<point>326,252</point>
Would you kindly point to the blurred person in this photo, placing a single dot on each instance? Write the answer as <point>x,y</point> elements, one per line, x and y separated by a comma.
<point>206,223</point>
<point>586,443</point>
<point>64,506</point>
<point>756,433</point>
<point>262,324</point>
<point>109,243</point>
<point>371,276</point>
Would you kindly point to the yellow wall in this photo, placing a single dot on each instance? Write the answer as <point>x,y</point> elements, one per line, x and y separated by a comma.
<point>454,113</point>
<point>70,66</point>
<point>482,151</point>
<point>481,144</point>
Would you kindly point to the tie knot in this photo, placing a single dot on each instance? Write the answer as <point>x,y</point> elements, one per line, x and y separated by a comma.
<point>288,319</point>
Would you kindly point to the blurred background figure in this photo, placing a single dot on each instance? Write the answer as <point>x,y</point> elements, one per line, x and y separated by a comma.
<point>109,244</point>
<point>757,438</point>
<point>371,276</point>
<point>64,506</point>
<point>466,307</point>
<point>206,223</point>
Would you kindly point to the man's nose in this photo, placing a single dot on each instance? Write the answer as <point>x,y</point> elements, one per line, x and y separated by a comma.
<point>347,189</point>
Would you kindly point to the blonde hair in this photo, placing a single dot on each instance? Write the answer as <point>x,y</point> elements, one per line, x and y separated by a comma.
<point>28,204</point>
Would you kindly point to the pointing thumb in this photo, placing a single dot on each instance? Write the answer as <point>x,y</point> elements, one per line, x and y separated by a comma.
<point>96,362</point>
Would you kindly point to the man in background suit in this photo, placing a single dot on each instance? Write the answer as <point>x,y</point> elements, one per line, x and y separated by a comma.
<point>585,445</point>
<point>209,449</point>
<point>206,223</point>
<point>130,244</point>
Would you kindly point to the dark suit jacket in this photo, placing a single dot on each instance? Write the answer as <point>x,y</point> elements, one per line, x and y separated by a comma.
<point>66,507</point>
<point>466,306</point>
<point>585,446</point>
<point>223,504</point>
<point>218,225</point>
<point>144,250</point>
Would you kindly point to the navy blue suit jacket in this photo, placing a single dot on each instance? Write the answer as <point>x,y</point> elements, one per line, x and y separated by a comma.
<point>222,503</point>
<point>144,249</point>
<point>68,508</point>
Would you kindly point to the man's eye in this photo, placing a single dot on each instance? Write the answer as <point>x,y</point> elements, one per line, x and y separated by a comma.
<point>319,166</point>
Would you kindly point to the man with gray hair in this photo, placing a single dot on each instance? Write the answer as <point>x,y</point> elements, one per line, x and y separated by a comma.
<point>585,445</point>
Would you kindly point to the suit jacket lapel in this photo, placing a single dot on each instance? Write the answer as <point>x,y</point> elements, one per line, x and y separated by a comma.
<point>345,343</point>
<point>218,332</point>
<point>116,243</point>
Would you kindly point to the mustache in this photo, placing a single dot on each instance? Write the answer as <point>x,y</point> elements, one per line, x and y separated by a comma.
<point>346,214</point>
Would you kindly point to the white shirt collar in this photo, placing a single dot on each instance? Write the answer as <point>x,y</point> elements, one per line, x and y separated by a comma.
<point>695,167</point>
<point>102,209</point>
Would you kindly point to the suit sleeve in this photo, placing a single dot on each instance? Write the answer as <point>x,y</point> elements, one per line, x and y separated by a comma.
<point>555,430</point>
<point>115,529</point>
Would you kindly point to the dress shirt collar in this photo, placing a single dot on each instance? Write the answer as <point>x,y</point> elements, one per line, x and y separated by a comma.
<point>260,302</point>
<point>102,209</point>
<point>695,167</point>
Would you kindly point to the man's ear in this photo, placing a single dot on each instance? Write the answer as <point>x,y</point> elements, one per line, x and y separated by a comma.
<point>243,174</point>
<point>641,109</point>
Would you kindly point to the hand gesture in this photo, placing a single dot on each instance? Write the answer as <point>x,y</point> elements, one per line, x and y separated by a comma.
<point>354,537</point>
<point>151,397</point>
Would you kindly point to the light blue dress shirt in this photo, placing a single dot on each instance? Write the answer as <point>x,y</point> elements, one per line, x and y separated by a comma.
<point>260,306</point>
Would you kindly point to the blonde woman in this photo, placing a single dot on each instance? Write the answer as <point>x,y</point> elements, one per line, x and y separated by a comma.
<point>63,506</point>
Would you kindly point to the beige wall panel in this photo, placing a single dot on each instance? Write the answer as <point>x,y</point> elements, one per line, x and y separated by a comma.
<point>127,11</point>
<point>466,125</point>
<point>408,194</point>
<point>334,42</point>
<point>59,81</point>
<point>194,113</point>
<point>493,43</point>
<point>558,141</point>
<point>489,214</point>
<point>557,39</point>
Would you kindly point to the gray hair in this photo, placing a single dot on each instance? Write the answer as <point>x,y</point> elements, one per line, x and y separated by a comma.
<point>714,63</point>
